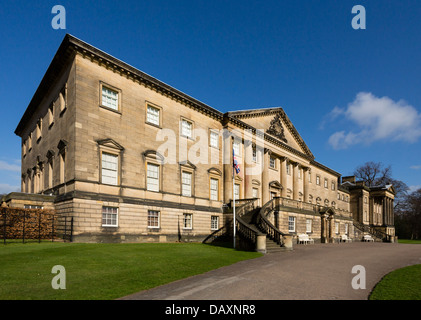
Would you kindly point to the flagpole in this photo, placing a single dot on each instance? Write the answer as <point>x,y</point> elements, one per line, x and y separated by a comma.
<point>233,194</point>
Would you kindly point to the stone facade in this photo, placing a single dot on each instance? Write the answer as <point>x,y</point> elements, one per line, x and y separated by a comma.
<point>133,159</point>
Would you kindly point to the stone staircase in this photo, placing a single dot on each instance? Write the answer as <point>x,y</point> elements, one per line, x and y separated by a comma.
<point>250,218</point>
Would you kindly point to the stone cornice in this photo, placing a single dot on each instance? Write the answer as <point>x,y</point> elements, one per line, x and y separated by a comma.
<point>71,46</point>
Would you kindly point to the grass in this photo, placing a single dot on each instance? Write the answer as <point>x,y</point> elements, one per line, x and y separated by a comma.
<point>409,241</point>
<point>401,284</point>
<point>104,271</point>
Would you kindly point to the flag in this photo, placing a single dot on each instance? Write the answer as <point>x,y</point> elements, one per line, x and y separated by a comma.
<point>235,163</point>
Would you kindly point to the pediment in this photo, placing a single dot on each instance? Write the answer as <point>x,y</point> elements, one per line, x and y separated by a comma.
<point>187,163</point>
<point>152,154</point>
<point>110,143</point>
<point>276,124</point>
<point>275,184</point>
<point>215,171</point>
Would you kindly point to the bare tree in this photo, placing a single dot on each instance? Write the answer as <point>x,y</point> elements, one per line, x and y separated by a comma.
<point>373,173</point>
<point>408,217</point>
<point>376,174</point>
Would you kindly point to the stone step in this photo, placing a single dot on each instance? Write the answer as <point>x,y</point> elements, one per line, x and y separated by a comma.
<point>272,246</point>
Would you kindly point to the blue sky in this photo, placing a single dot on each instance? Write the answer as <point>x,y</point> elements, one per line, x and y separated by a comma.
<point>353,95</point>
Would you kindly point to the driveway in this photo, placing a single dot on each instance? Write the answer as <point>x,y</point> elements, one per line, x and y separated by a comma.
<point>318,271</point>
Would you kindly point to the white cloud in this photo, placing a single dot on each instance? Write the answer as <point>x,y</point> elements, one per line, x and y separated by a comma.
<point>417,167</point>
<point>376,119</point>
<point>413,188</point>
<point>9,167</point>
<point>7,188</point>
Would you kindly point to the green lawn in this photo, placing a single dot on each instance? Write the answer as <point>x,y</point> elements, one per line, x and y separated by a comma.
<point>409,241</point>
<point>104,271</point>
<point>401,284</point>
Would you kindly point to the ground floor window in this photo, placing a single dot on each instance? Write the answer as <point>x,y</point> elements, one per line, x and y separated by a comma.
<point>187,221</point>
<point>153,219</point>
<point>309,223</point>
<point>109,216</point>
<point>214,222</point>
<point>291,224</point>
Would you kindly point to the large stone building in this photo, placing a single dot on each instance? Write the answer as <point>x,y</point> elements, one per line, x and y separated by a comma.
<point>133,159</point>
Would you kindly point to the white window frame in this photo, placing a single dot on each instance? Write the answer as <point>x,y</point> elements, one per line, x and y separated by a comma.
<point>153,115</point>
<point>214,222</point>
<point>186,183</point>
<point>272,162</point>
<point>107,166</point>
<point>291,224</point>
<point>110,97</point>
<point>237,191</point>
<point>109,216</point>
<point>187,221</point>
<point>152,177</point>
<point>309,225</point>
<point>214,139</point>
<point>186,131</point>
<point>255,192</point>
<point>214,192</point>
<point>154,217</point>
<point>237,148</point>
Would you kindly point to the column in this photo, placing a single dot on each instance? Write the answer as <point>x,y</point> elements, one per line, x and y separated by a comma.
<point>248,168</point>
<point>392,218</point>
<point>284,162</point>
<point>295,185</point>
<point>384,208</point>
<point>305,183</point>
<point>265,176</point>
<point>227,161</point>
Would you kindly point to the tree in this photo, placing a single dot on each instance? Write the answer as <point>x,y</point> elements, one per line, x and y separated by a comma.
<point>376,174</point>
<point>408,217</point>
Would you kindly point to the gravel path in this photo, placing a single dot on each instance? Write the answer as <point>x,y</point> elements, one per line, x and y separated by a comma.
<point>319,271</point>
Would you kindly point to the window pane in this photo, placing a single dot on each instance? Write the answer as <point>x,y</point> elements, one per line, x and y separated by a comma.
<point>236,147</point>
<point>214,222</point>
<point>186,184</point>
<point>187,221</point>
<point>153,115</point>
<point>272,162</point>
<point>153,219</point>
<point>186,128</point>
<point>214,189</point>
<point>291,224</point>
<point>109,98</point>
<point>308,225</point>
<point>152,177</point>
<point>109,216</point>
<point>109,168</point>
<point>237,191</point>
<point>214,139</point>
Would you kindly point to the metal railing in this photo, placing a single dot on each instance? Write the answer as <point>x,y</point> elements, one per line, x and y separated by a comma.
<point>266,226</point>
<point>372,231</point>
<point>25,225</point>
<point>245,230</point>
